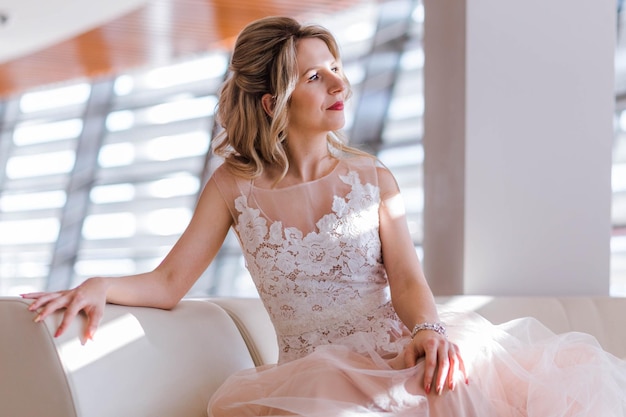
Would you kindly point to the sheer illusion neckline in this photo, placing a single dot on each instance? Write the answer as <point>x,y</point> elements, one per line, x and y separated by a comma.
<point>304,183</point>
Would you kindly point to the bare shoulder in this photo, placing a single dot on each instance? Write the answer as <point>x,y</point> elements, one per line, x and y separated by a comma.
<point>386,182</point>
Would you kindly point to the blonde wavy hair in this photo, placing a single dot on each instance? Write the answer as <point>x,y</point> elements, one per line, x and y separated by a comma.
<point>264,61</point>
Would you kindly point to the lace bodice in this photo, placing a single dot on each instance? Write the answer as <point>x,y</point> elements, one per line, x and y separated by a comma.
<point>320,275</point>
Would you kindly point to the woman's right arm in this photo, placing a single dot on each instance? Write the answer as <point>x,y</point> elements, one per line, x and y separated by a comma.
<point>161,288</point>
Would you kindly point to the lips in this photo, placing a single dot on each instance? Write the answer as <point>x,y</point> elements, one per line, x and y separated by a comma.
<point>337,106</point>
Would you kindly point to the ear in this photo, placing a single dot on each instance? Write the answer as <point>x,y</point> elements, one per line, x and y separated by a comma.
<point>268,104</point>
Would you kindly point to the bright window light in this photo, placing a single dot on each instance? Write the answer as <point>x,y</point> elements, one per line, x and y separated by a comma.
<point>166,222</point>
<point>418,14</point>
<point>402,156</point>
<point>109,226</point>
<point>16,290</point>
<point>618,177</point>
<point>406,107</point>
<point>355,73</point>
<point>210,67</point>
<point>185,145</point>
<point>40,164</point>
<point>30,134</point>
<point>175,186</point>
<point>413,199</point>
<point>29,231</point>
<point>622,120</point>
<point>181,110</point>
<point>412,60</point>
<point>55,98</point>
<point>359,31</point>
<point>124,85</point>
<point>24,269</point>
<point>105,267</point>
<point>618,244</point>
<point>120,120</point>
<point>116,154</point>
<point>32,201</point>
<point>114,193</point>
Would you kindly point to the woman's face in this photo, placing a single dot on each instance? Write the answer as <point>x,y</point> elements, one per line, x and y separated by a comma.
<point>316,105</point>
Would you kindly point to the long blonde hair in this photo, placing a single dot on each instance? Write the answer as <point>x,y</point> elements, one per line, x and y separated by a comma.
<point>264,61</point>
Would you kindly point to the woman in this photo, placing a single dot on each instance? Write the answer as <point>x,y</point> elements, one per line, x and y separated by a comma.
<point>324,235</point>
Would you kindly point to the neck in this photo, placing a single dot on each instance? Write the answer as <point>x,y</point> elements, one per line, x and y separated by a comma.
<point>309,159</point>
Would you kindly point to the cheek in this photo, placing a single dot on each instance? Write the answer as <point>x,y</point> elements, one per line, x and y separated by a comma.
<point>303,100</point>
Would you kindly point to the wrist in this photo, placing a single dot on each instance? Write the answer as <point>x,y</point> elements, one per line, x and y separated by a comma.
<point>435,327</point>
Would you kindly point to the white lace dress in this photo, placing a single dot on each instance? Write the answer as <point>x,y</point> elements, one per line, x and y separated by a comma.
<point>314,253</point>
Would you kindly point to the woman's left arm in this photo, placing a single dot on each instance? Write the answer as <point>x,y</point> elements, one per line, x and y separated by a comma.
<point>411,296</point>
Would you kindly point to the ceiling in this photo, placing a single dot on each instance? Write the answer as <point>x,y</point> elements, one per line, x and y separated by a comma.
<point>50,41</point>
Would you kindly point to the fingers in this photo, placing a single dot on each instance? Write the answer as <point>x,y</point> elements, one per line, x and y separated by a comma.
<point>461,366</point>
<point>443,366</point>
<point>48,304</point>
<point>41,299</point>
<point>70,313</point>
<point>93,320</point>
<point>73,301</point>
<point>430,363</point>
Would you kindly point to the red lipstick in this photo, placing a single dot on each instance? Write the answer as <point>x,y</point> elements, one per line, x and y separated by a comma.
<point>337,106</point>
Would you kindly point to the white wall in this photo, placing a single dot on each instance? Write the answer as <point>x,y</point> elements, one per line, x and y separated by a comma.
<point>529,136</point>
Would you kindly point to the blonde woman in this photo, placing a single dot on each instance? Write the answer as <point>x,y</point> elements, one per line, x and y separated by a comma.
<point>323,231</point>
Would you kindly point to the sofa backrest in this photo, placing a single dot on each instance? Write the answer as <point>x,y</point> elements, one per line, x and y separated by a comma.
<point>603,317</point>
<point>255,326</point>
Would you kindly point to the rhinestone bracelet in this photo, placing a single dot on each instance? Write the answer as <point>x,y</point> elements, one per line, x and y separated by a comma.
<point>436,327</point>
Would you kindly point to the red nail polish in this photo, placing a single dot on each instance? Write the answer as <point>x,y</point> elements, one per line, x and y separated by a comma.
<point>427,389</point>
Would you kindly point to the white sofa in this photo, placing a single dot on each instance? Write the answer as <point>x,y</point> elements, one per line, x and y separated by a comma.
<point>156,363</point>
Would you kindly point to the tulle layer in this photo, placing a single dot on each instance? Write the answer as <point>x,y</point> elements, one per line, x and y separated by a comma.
<point>516,369</point>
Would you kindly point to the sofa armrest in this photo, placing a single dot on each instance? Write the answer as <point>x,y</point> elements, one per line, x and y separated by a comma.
<point>32,378</point>
<point>143,362</point>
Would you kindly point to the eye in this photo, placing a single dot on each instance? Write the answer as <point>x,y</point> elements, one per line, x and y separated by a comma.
<point>314,77</point>
<point>335,69</point>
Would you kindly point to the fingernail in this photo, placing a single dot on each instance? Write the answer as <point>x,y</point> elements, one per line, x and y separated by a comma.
<point>57,333</point>
<point>451,385</point>
<point>37,319</point>
<point>439,389</point>
<point>427,389</point>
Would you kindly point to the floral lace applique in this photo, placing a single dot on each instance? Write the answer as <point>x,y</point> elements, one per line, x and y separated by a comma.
<point>328,286</point>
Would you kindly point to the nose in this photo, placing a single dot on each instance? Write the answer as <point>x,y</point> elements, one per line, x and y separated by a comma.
<point>337,84</point>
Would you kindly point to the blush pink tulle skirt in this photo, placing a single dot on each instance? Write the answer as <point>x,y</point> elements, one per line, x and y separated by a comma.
<point>515,369</point>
